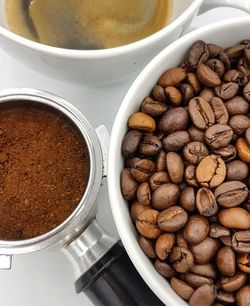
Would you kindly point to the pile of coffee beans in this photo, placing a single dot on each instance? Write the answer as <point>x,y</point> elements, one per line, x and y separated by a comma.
<point>186,175</point>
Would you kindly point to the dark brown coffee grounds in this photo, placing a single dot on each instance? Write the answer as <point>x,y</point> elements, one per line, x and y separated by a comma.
<point>44,169</point>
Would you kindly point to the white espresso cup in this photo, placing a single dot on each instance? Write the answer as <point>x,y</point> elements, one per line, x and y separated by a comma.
<point>99,67</point>
<point>226,34</point>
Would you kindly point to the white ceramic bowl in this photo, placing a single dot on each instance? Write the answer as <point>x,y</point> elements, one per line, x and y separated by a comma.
<point>226,33</point>
<point>98,67</point>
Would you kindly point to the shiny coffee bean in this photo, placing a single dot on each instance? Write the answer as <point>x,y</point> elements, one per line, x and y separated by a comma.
<point>194,152</point>
<point>150,145</point>
<point>137,208</point>
<point>205,251</point>
<point>226,240</point>
<point>161,161</point>
<point>231,194</point>
<point>172,219</point>
<point>196,134</point>
<point>144,194</point>
<point>142,170</point>
<point>194,82</point>
<point>204,295</point>
<point>181,259</point>
<point>227,90</point>
<point>196,281</point>
<point>217,66</point>
<point>157,179</point>
<point>225,261</point>
<point>130,161</point>
<point>207,270</point>
<point>237,170</point>
<point>175,167</point>
<point>146,223</point>
<point>211,171</point>
<point>239,124</point>
<point>187,93</point>
<point>131,142</point>
<point>172,77</point>
<point>164,268</point>
<point>164,245</point>
<point>187,199</point>
<point>237,106</point>
<point>158,94</point>
<point>243,296</point>
<point>218,135</point>
<point>197,54</point>
<point>153,108</point>
<point>147,246</point>
<point>243,150</point>
<point>243,262</point>
<point>196,229</point>
<point>175,141</point>
<point>216,230</point>
<point>201,113</point>
<point>236,217</point>
<point>165,196</point>
<point>181,288</point>
<point>207,76</point>
<point>227,153</point>
<point>207,94</point>
<point>233,283</point>
<point>220,111</point>
<point>190,176</point>
<point>128,184</point>
<point>235,52</point>
<point>241,241</point>
<point>142,122</point>
<point>235,76</point>
<point>175,119</point>
<point>173,95</point>
<point>225,297</point>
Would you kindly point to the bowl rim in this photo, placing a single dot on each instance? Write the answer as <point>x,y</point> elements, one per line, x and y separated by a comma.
<point>115,196</point>
<point>103,53</point>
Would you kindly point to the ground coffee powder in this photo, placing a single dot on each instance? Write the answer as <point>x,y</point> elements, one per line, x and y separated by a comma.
<point>44,169</point>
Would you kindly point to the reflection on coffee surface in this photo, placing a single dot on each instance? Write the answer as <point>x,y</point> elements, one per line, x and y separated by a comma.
<point>87,24</point>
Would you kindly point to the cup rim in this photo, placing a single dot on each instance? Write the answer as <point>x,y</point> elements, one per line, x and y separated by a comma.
<point>103,53</point>
<point>144,267</point>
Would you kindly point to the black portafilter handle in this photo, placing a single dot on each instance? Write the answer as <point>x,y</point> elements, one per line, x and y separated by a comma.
<point>114,281</point>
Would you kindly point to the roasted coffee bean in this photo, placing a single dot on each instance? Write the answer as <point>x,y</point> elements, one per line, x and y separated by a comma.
<point>236,76</point>
<point>233,283</point>
<point>158,94</point>
<point>181,259</point>
<point>144,194</point>
<point>196,281</point>
<point>243,150</point>
<point>237,170</point>
<point>226,240</point>
<point>190,176</point>
<point>227,153</point>
<point>180,241</point>
<point>239,124</point>
<point>235,52</point>
<point>181,288</point>
<point>205,251</point>
<point>216,65</point>
<point>218,135</point>
<point>207,76</point>
<point>204,295</point>
<point>175,141</point>
<point>197,54</point>
<point>175,167</point>
<point>225,261</point>
<point>235,217</point>
<point>196,229</point>
<point>207,94</point>
<point>194,82</point>
<point>207,270</point>
<point>227,90</point>
<point>142,169</point>
<point>243,296</point>
<point>220,111</point>
<point>175,119</point>
<point>136,209</point>
<point>243,66</point>
<point>157,179</point>
<point>206,203</point>
<point>146,223</point>
<point>128,184</point>
<point>164,268</point>
<point>247,136</point>
<point>187,199</point>
<point>187,92</point>
<point>165,196</point>
<point>216,51</point>
<point>241,241</point>
<point>130,161</point>
<point>153,108</point>
<point>246,92</point>
<point>172,219</point>
<point>147,246</point>
<point>211,171</point>
<point>142,122</point>
<point>237,106</point>
<point>172,77</point>
<point>194,152</point>
<point>131,142</point>
<point>196,134</point>
<point>201,113</point>
<point>225,298</point>
<point>161,161</point>
<point>231,194</point>
<point>243,262</point>
<point>164,245</point>
<point>173,95</point>
<point>150,145</point>
<point>216,230</point>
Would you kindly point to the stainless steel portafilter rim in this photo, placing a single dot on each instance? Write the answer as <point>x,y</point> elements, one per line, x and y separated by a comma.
<point>85,211</point>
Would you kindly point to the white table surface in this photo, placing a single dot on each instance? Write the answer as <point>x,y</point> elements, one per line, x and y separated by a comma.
<point>46,278</point>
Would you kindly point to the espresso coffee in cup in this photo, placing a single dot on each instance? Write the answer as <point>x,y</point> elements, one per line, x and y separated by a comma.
<point>87,24</point>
